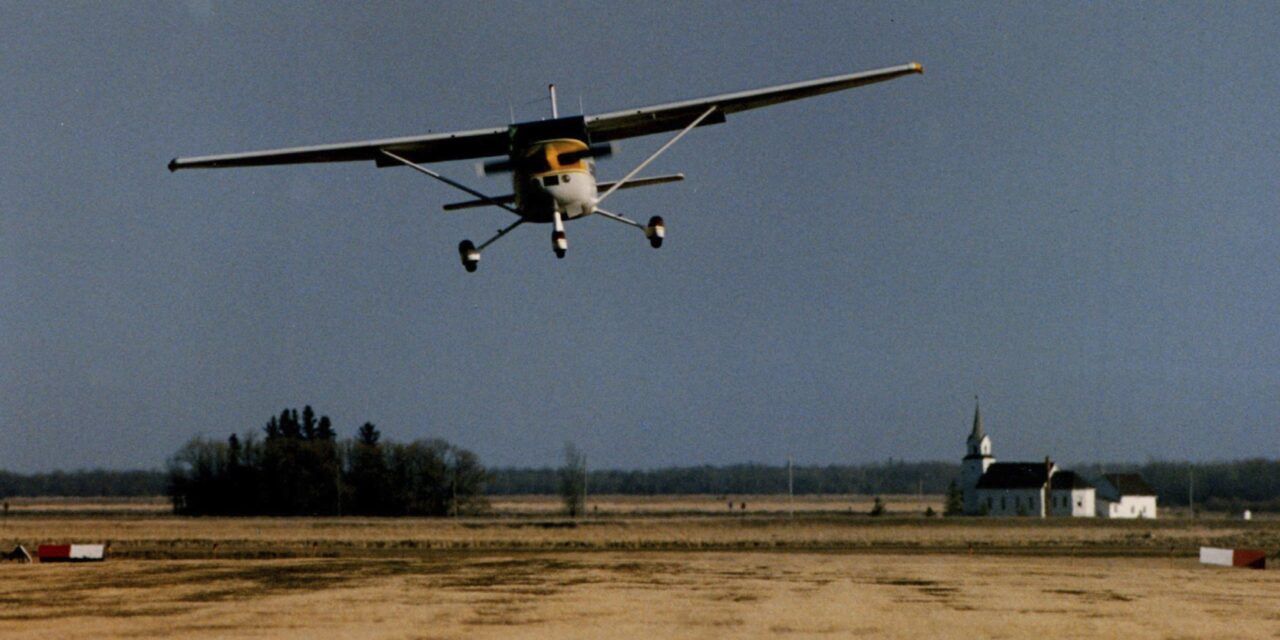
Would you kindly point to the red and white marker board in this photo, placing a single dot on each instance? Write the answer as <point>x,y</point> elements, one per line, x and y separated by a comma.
<point>1246,558</point>
<point>72,552</point>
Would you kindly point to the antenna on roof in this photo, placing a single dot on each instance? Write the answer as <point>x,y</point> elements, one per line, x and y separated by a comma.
<point>555,113</point>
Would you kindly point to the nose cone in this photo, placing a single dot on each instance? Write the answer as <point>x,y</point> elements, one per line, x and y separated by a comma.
<point>574,195</point>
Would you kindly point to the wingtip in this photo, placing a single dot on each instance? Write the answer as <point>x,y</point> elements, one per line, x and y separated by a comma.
<point>173,165</point>
<point>916,67</point>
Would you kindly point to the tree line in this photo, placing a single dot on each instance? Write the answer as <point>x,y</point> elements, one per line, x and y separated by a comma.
<point>743,479</point>
<point>85,483</point>
<point>299,467</point>
<point>1217,486</point>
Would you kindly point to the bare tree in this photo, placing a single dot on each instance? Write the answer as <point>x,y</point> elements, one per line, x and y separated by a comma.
<point>573,480</point>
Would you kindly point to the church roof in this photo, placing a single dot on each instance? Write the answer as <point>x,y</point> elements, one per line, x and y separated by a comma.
<point>977,433</point>
<point>1129,484</point>
<point>1063,480</point>
<point>1013,475</point>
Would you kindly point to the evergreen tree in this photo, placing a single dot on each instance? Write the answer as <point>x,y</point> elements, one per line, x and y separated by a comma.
<point>272,428</point>
<point>955,500</point>
<point>367,475</point>
<point>324,431</point>
<point>308,423</point>
<point>368,434</point>
<point>289,427</point>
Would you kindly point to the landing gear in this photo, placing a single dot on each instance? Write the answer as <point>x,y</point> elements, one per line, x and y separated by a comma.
<point>655,231</point>
<point>469,254</point>
<point>559,242</point>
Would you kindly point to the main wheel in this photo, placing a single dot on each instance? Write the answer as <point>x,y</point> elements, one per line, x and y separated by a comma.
<point>470,256</point>
<point>655,231</point>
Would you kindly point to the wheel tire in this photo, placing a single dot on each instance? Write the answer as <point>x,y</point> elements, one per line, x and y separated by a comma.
<point>465,248</point>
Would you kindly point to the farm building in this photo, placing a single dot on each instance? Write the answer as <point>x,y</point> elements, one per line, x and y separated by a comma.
<point>1125,495</point>
<point>1041,489</point>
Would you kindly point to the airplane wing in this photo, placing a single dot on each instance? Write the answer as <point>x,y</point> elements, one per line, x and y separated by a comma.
<point>439,147</point>
<point>677,115</point>
<point>484,143</point>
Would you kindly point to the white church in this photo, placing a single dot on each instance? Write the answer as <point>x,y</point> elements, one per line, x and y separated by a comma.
<point>1041,489</point>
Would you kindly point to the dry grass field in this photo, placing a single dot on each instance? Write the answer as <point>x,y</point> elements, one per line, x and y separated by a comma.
<point>667,568</point>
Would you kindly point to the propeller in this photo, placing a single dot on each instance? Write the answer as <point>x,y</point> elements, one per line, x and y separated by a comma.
<point>507,165</point>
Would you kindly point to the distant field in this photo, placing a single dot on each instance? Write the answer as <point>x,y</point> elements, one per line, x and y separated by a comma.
<point>716,505</point>
<point>551,505</point>
<point>146,529</point>
<point>658,567</point>
<point>615,594</point>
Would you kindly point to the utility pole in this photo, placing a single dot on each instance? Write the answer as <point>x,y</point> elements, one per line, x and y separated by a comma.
<point>1191,491</point>
<point>791,492</point>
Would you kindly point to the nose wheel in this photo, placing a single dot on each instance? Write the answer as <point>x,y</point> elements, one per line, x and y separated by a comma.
<point>559,241</point>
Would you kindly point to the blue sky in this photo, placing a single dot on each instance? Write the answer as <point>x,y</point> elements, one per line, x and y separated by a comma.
<point>1072,213</point>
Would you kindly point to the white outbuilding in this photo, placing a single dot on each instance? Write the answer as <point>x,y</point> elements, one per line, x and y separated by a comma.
<point>1125,495</point>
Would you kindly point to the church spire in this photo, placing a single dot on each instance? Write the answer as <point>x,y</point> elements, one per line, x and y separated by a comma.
<point>978,433</point>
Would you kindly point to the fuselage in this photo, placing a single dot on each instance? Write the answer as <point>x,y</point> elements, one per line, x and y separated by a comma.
<point>543,183</point>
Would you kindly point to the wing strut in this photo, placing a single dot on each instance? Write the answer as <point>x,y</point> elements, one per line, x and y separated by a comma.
<point>501,232</point>
<point>617,185</point>
<point>455,185</point>
<point>617,218</point>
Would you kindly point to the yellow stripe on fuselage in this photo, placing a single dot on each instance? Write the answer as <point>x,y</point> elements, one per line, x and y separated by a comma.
<point>551,150</point>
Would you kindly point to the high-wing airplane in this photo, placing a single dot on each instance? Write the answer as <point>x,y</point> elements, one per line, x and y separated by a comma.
<point>552,162</point>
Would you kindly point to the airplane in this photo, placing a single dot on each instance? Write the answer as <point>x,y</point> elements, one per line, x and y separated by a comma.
<point>552,162</point>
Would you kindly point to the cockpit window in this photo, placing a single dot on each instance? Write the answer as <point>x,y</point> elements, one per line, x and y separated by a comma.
<point>551,180</point>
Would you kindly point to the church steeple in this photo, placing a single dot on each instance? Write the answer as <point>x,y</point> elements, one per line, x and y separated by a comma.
<point>977,433</point>
<point>978,441</point>
<point>976,461</point>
